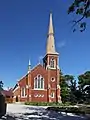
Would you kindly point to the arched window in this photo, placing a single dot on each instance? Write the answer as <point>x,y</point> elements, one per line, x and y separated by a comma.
<point>42,83</point>
<point>23,92</point>
<point>39,82</point>
<point>52,63</point>
<point>52,95</point>
<point>35,82</point>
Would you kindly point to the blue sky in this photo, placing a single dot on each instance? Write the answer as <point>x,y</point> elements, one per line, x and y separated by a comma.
<point>23,35</point>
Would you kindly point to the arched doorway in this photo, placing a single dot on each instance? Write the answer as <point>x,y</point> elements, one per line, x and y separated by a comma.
<point>16,98</point>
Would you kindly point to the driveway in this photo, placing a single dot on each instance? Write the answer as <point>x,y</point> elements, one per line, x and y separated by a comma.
<point>25,112</point>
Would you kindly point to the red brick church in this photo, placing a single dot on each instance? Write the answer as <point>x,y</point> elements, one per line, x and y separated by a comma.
<point>41,84</point>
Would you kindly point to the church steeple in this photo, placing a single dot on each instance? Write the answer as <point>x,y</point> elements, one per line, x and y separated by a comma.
<point>50,38</point>
<point>50,61</point>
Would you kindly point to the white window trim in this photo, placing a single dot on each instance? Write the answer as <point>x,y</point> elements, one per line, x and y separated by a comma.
<point>52,95</point>
<point>53,68</point>
<point>38,95</point>
<point>38,89</point>
<point>23,96</point>
<point>42,96</point>
<point>52,60</point>
<point>53,79</point>
<point>37,83</point>
<point>35,95</point>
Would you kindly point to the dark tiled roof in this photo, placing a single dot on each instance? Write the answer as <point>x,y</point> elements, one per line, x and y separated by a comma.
<point>7,92</point>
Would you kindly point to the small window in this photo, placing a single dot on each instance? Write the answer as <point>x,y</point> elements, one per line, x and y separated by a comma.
<point>52,63</point>
<point>52,95</point>
<point>53,79</point>
<point>23,93</point>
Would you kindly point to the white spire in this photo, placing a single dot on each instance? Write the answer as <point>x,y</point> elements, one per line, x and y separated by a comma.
<point>50,38</point>
<point>50,25</point>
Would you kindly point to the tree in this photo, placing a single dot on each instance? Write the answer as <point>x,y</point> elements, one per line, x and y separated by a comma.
<point>84,86</point>
<point>1,85</point>
<point>82,9</point>
<point>68,88</point>
<point>72,88</point>
<point>64,89</point>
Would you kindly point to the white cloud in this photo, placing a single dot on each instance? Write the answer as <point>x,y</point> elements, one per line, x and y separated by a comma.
<point>61,44</point>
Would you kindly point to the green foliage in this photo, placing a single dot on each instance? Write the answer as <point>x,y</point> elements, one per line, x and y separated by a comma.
<point>84,86</point>
<point>54,104</point>
<point>68,89</point>
<point>81,8</point>
<point>36,103</point>
<point>64,88</point>
<point>72,93</point>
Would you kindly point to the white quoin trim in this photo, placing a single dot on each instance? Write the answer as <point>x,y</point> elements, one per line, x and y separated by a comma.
<point>49,86</point>
<point>27,86</point>
<point>14,97</point>
<point>58,86</point>
<point>29,95</point>
<point>18,95</point>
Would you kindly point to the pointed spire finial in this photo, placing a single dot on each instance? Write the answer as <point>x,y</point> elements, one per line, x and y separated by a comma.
<point>29,63</point>
<point>51,31</point>
<point>29,66</point>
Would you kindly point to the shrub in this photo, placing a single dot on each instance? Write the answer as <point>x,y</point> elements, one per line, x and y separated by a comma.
<point>47,104</point>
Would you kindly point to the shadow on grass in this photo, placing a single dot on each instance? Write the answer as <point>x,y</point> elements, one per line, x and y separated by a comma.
<point>42,114</point>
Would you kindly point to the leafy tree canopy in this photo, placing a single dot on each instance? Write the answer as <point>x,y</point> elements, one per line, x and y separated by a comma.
<point>84,79</point>
<point>72,93</point>
<point>81,8</point>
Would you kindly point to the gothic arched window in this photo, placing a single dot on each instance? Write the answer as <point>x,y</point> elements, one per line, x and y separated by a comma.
<point>35,82</point>
<point>39,82</point>
<point>52,63</point>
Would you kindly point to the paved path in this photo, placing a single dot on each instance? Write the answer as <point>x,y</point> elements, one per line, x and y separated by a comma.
<point>23,112</point>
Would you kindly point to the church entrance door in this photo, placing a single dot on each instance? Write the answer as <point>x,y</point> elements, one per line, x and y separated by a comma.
<point>16,98</point>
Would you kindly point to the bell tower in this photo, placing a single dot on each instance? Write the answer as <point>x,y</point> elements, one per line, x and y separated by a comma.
<point>50,63</point>
<point>51,59</point>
